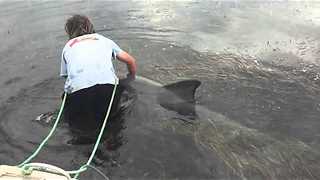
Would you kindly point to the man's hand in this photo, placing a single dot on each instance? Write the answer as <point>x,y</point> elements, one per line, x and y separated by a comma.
<point>130,77</point>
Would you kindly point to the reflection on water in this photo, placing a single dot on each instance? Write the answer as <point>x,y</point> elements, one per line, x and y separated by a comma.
<point>245,27</point>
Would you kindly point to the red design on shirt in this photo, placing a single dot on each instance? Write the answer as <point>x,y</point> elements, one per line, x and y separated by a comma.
<point>75,41</point>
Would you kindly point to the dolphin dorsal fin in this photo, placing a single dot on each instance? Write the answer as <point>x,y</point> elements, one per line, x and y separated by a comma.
<point>179,97</point>
<point>184,89</point>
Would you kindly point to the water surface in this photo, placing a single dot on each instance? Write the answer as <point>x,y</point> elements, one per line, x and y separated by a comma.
<point>258,103</point>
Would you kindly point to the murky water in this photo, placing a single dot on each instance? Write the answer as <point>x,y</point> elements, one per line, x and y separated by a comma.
<point>258,63</point>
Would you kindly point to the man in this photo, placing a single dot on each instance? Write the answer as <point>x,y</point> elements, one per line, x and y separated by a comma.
<point>90,76</point>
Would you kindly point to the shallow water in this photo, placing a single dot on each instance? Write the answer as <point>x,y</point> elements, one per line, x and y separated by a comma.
<point>258,63</point>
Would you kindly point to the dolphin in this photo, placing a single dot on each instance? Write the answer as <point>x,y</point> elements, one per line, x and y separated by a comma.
<point>145,146</point>
<point>162,133</point>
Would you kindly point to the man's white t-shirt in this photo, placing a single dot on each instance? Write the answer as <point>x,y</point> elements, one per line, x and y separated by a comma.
<point>87,61</point>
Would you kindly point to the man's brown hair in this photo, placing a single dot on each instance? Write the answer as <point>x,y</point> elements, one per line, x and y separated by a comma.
<point>78,25</point>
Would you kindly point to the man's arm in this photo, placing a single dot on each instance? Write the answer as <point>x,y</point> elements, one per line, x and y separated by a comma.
<point>130,61</point>
<point>63,67</point>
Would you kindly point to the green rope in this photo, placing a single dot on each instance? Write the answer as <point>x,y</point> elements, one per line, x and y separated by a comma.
<point>49,135</point>
<point>83,168</point>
